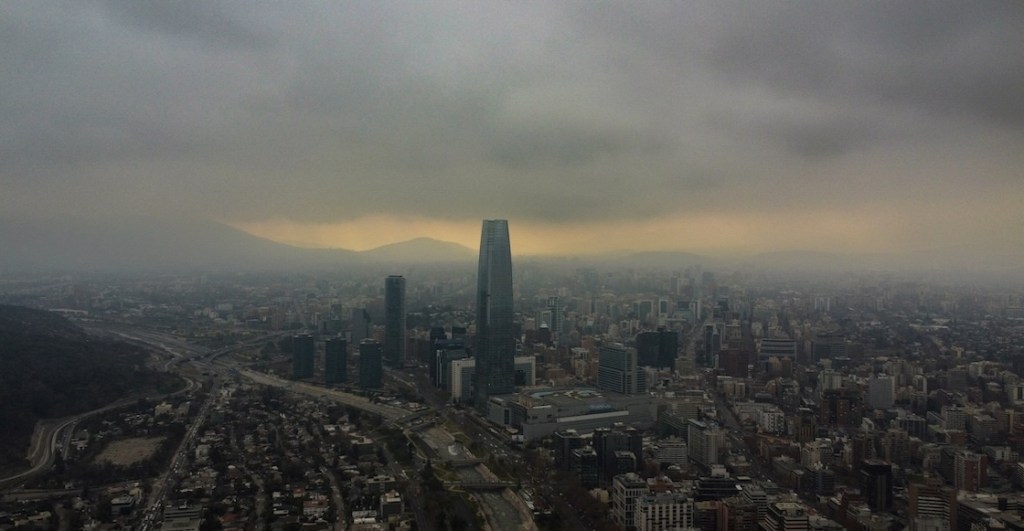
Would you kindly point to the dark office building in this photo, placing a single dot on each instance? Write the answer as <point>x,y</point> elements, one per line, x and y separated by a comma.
<point>805,425</point>
<point>360,324</point>
<point>781,348</point>
<point>657,349</point>
<point>712,343</point>
<point>822,481</point>
<point>394,321</point>
<point>785,516</point>
<point>706,515</point>
<point>436,335</point>
<point>445,352</point>
<point>585,463</point>
<point>876,484</point>
<point>623,461</point>
<point>371,364</point>
<point>303,354</point>
<point>495,343</point>
<point>841,408</point>
<point>739,514</point>
<point>608,443</point>
<point>335,360</point>
<point>915,425</point>
<point>565,443</point>
<point>734,362</point>
<point>828,346</point>
<point>715,488</point>
<point>459,332</point>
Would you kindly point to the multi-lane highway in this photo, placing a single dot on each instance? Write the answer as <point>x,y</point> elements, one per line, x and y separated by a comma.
<point>54,436</point>
<point>356,401</point>
<point>45,442</point>
<point>165,483</point>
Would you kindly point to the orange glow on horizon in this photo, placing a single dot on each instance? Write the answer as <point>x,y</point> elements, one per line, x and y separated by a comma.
<point>721,235</point>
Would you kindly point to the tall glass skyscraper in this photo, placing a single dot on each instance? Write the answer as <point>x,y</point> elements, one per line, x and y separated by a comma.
<point>303,356</point>
<point>394,321</point>
<point>370,366</point>
<point>335,360</point>
<point>495,344</point>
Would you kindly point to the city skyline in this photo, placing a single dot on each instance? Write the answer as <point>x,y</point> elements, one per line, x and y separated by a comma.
<point>690,394</point>
<point>724,128</point>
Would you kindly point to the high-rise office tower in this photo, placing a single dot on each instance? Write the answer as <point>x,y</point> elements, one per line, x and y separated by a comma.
<point>394,321</point>
<point>303,353</point>
<point>335,360</point>
<point>841,407</point>
<point>881,391</point>
<point>970,471</point>
<point>557,320</point>
<point>738,513</point>
<point>370,364</point>
<point>618,371</point>
<point>565,442</point>
<point>495,344</point>
<point>876,483</point>
<point>585,463</point>
<point>657,349</point>
<point>712,344</point>
<point>780,348</point>
<point>360,325</point>
<point>438,337</point>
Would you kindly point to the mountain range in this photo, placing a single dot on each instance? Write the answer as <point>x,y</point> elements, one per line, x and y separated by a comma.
<point>160,245</point>
<point>152,245</point>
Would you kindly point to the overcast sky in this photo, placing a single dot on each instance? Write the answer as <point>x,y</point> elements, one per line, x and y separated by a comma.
<point>716,127</point>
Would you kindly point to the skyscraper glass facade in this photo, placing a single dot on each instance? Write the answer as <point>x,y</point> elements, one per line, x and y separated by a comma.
<point>394,321</point>
<point>495,344</point>
<point>335,360</point>
<point>370,364</point>
<point>304,353</point>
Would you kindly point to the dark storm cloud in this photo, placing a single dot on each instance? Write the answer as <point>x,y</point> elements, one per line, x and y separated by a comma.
<point>208,23</point>
<point>559,111</point>
<point>944,58</point>
<point>824,140</point>
<point>80,91</point>
<point>813,133</point>
<point>537,146</point>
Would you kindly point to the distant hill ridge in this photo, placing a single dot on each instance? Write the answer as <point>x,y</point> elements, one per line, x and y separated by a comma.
<point>148,244</point>
<point>420,249</point>
<point>144,244</point>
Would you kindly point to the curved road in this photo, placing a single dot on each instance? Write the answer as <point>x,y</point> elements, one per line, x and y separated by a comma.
<point>54,434</point>
<point>49,439</point>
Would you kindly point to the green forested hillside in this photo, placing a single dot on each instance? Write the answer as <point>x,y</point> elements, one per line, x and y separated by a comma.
<point>51,368</point>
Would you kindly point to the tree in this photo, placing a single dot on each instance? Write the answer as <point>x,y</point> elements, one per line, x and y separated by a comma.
<point>104,511</point>
<point>58,463</point>
<point>210,522</point>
